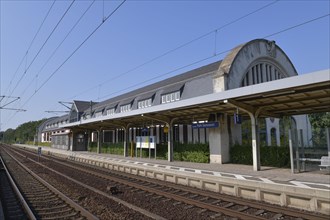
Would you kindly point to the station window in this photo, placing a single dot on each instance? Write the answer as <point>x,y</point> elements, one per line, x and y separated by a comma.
<point>86,116</point>
<point>171,97</point>
<point>111,111</point>
<point>144,103</point>
<point>98,114</point>
<point>125,108</point>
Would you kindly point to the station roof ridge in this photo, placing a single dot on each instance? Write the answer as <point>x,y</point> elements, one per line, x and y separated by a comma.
<point>174,80</point>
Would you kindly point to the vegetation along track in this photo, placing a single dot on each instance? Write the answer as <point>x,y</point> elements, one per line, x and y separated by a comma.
<point>169,200</point>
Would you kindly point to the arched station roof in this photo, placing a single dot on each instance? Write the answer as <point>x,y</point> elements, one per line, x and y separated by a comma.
<point>255,75</point>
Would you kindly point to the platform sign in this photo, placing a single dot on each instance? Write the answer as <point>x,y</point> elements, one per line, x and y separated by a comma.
<point>214,124</point>
<point>237,118</point>
<point>146,142</point>
<point>39,151</point>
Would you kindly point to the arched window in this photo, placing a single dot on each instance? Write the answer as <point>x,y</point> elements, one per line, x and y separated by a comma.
<point>261,72</point>
<point>273,137</point>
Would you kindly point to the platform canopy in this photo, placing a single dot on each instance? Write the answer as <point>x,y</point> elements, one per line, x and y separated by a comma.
<point>303,94</point>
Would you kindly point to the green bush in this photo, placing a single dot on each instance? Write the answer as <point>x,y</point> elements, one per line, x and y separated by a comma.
<point>92,147</point>
<point>241,154</point>
<point>198,153</point>
<point>177,156</point>
<point>113,148</point>
<point>269,155</point>
<point>45,144</point>
<point>195,156</point>
<point>161,151</point>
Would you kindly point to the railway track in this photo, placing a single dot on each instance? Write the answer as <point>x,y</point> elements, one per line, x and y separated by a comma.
<point>44,201</point>
<point>12,202</point>
<point>203,205</point>
<point>97,202</point>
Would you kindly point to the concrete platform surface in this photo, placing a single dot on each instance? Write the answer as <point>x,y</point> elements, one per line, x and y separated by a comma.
<point>318,179</point>
<point>307,191</point>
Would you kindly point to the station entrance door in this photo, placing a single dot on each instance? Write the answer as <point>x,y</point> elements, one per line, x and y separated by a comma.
<point>81,142</point>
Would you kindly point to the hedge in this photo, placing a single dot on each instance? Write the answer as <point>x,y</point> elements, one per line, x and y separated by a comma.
<point>269,155</point>
<point>198,153</point>
<point>190,152</point>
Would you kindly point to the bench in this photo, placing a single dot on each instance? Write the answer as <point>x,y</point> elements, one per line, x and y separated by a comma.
<point>325,162</point>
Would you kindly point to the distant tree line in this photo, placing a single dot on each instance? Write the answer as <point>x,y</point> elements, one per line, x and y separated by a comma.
<point>24,133</point>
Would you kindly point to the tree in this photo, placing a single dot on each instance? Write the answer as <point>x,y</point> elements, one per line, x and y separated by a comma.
<point>9,136</point>
<point>23,133</point>
<point>319,122</point>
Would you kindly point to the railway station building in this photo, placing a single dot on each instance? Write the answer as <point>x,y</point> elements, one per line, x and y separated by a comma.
<point>256,83</point>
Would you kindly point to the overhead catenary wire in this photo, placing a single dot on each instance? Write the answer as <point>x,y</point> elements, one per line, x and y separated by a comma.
<point>56,49</point>
<point>29,47</point>
<point>215,54</point>
<point>40,49</point>
<point>273,34</point>
<point>298,25</point>
<point>176,48</point>
<point>80,45</point>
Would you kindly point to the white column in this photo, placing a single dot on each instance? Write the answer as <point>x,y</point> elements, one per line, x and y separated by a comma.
<point>181,133</point>
<point>99,140</point>
<point>125,141</point>
<point>170,142</point>
<point>327,130</point>
<point>255,143</point>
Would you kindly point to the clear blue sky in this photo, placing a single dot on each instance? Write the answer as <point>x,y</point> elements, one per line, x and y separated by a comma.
<point>136,33</point>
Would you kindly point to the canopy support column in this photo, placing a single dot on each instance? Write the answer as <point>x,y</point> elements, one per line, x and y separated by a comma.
<point>170,141</point>
<point>99,140</point>
<point>169,123</point>
<point>253,113</point>
<point>255,142</point>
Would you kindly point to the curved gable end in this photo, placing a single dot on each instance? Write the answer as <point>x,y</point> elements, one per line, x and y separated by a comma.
<point>252,63</point>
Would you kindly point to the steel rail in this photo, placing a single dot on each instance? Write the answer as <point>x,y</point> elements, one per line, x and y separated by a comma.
<point>252,204</point>
<point>26,207</point>
<point>200,204</point>
<point>73,204</point>
<point>225,198</point>
<point>214,208</point>
<point>133,207</point>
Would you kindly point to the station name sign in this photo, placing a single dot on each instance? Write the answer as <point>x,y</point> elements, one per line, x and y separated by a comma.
<point>206,125</point>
